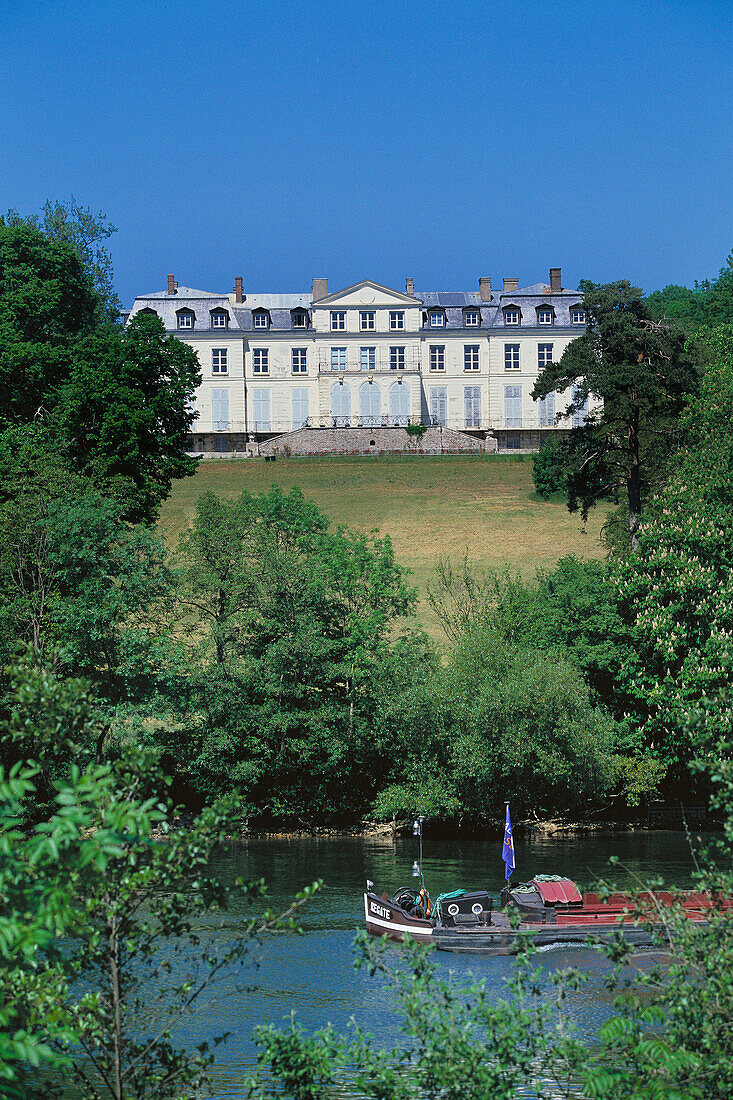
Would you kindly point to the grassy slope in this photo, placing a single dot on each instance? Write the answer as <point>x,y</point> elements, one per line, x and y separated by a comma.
<point>429,506</point>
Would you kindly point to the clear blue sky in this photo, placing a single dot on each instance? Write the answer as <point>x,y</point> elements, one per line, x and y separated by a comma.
<point>281,141</point>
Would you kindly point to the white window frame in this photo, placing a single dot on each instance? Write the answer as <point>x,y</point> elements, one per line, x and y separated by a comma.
<point>397,357</point>
<point>545,316</point>
<point>368,358</point>
<point>512,357</point>
<point>468,313</point>
<point>338,320</point>
<point>577,316</point>
<point>512,316</point>
<point>437,357</point>
<point>219,361</point>
<point>186,319</point>
<point>219,318</point>
<point>260,319</point>
<point>338,359</point>
<point>260,360</point>
<point>299,360</point>
<point>397,320</point>
<point>367,320</point>
<point>544,355</point>
<point>299,318</point>
<point>436,318</point>
<point>471,357</point>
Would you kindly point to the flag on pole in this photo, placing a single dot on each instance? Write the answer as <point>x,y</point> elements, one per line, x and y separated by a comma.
<point>507,852</point>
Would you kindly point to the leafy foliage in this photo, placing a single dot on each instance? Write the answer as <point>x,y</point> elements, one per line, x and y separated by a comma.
<point>126,891</point>
<point>292,632</point>
<point>643,373</point>
<point>547,470</point>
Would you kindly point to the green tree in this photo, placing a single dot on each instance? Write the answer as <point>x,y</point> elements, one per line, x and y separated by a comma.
<point>84,589</point>
<point>642,373</point>
<point>547,470</point>
<point>47,301</point>
<point>85,231</point>
<point>676,592</point>
<point>290,623</point>
<point>126,409</point>
<point>116,405</point>
<point>132,910</point>
<point>707,305</point>
<point>499,721</point>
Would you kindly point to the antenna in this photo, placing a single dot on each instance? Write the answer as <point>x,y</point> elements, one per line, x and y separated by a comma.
<point>417,831</point>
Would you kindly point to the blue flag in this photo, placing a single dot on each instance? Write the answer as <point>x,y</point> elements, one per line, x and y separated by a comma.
<point>507,852</point>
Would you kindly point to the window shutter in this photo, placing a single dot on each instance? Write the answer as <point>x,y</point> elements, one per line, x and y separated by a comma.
<point>546,410</point>
<point>300,407</point>
<point>261,409</point>
<point>220,410</point>
<point>472,406</point>
<point>513,406</point>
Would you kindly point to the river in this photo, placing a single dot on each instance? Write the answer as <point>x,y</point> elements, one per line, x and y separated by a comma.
<point>314,976</point>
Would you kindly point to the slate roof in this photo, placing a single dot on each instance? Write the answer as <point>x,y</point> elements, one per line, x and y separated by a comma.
<point>453,302</point>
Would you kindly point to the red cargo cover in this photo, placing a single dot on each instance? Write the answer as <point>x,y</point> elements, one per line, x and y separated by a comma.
<point>562,892</point>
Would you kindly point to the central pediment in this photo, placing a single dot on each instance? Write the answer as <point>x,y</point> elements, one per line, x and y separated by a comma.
<point>367,294</point>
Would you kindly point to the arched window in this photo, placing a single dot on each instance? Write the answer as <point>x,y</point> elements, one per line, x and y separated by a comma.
<point>186,318</point>
<point>370,405</point>
<point>219,318</point>
<point>399,403</point>
<point>512,315</point>
<point>260,318</point>
<point>341,404</point>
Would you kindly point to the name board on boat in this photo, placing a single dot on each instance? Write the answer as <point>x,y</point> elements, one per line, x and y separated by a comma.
<point>380,910</point>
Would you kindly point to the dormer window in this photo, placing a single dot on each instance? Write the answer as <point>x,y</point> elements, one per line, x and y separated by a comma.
<point>219,318</point>
<point>186,318</point>
<point>299,318</point>
<point>577,316</point>
<point>545,315</point>
<point>436,318</point>
<point>512,315</point>
<point>471,318</point>
<point>147,312</point>
<point>260,318</point>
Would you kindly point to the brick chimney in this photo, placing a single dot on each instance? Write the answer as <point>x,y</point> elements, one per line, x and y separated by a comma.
<point>511,285</point>
<point>172,285</point>
<point>320,289</point>
<point>410,287</point>
<point>555,280</point>
<point>238,290</point>
<point>484,288</point>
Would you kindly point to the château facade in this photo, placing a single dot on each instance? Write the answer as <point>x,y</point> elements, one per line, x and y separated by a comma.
<point>373,357</point>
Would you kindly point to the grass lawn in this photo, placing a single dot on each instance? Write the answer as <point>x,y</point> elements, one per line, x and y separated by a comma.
<point>430,506</point>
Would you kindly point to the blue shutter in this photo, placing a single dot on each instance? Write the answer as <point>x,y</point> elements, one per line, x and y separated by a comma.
<point>261,409</point>
<point>220,410</point>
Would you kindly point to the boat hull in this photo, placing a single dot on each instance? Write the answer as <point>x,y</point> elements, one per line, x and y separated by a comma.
<point>384,918</point>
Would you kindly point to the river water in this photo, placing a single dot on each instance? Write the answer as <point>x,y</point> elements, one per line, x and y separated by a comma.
<point>313,976</point>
